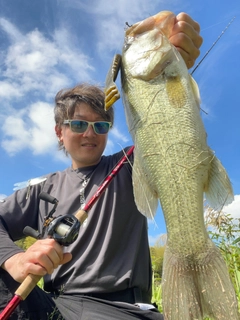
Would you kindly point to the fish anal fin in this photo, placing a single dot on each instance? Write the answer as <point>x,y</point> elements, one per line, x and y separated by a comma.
<point>145,198</point>
<point>218,190</point>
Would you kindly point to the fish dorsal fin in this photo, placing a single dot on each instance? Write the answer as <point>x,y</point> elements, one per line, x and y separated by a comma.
<point>195,90</point>
<point>146,201</point>
<point>219,189</point>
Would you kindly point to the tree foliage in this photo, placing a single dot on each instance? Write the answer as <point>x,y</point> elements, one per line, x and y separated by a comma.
<point>157,253</point>
<point>225,231</point>
<point>157,261</point>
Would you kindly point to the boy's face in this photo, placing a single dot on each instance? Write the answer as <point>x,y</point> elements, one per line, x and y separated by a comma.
<point>85,149</point>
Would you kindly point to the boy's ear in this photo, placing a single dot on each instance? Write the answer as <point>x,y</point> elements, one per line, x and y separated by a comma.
<point>58,131</point>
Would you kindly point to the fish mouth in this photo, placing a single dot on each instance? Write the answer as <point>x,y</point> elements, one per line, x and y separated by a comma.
<point>163,21</point>
<point>147,51</point>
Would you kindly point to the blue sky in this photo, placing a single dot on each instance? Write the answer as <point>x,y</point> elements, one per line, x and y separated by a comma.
<point>48,45</point>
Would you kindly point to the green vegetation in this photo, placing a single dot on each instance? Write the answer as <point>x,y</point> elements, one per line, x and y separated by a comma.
<point>157,253</point>
<point>225,234</point>
<point>25,242</point>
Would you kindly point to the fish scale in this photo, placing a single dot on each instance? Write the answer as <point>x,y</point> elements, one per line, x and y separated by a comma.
<point>174,165</point>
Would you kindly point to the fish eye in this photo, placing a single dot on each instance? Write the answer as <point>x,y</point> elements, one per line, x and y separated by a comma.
<point>126,46</point>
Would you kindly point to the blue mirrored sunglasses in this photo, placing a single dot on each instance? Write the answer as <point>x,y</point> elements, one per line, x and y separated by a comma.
<point>80,126</point>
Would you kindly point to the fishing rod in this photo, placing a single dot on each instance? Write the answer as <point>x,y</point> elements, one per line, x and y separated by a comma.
<point>219,37</point>
<point>56,228</point>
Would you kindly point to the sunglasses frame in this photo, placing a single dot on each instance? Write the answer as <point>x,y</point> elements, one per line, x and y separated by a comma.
<point>92,123</point>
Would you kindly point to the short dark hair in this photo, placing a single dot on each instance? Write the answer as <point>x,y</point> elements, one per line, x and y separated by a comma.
<point>66,101</point>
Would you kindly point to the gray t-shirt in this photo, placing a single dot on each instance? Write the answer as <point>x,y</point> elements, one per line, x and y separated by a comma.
<point>111,252</point>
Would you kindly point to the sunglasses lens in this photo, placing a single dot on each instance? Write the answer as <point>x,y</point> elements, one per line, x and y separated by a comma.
<point>101,127</point>
<point>79,126</point>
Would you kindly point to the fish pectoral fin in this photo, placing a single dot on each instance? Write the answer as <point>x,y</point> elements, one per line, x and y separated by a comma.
<point>219,190</point>
<point>111,91</point>
<point>146,199</point>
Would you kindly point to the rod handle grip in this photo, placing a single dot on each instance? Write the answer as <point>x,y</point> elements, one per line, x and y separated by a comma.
<point>81,215</point>
<point>27,285</point>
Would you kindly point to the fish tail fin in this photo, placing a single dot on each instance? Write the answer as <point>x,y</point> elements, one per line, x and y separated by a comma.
<point>192,291</point>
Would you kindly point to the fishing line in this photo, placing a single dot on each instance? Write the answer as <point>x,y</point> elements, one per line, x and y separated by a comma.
<point>213,45</point>
<point>214,25</point>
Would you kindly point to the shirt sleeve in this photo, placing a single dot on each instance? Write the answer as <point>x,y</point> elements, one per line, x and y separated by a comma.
<point>16,212</point>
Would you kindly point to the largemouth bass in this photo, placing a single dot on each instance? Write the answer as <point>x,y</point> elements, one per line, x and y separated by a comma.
<point>173,164</point>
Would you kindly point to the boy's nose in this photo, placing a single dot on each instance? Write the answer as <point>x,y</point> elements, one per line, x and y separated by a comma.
<point>89,131</point>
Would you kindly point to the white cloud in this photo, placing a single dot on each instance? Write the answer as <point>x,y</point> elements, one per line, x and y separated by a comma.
<point>17,134</point>
<point>42,131</point>
<point>159,239</point>
<point>121,8</point>
<point>152,240</point>
<point>72,57</point>
<point>233,208</point>
<point>119,135</point>
<point>111,28</point>
<point>8,90</point>
<point>31,55</point>
<point>32,128</point>
<point>35,63</point>
<point>2,196</point>
<point>10,29</point>
<point>109,147</point>
<point>109,18</point>
<point>35,68</point>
